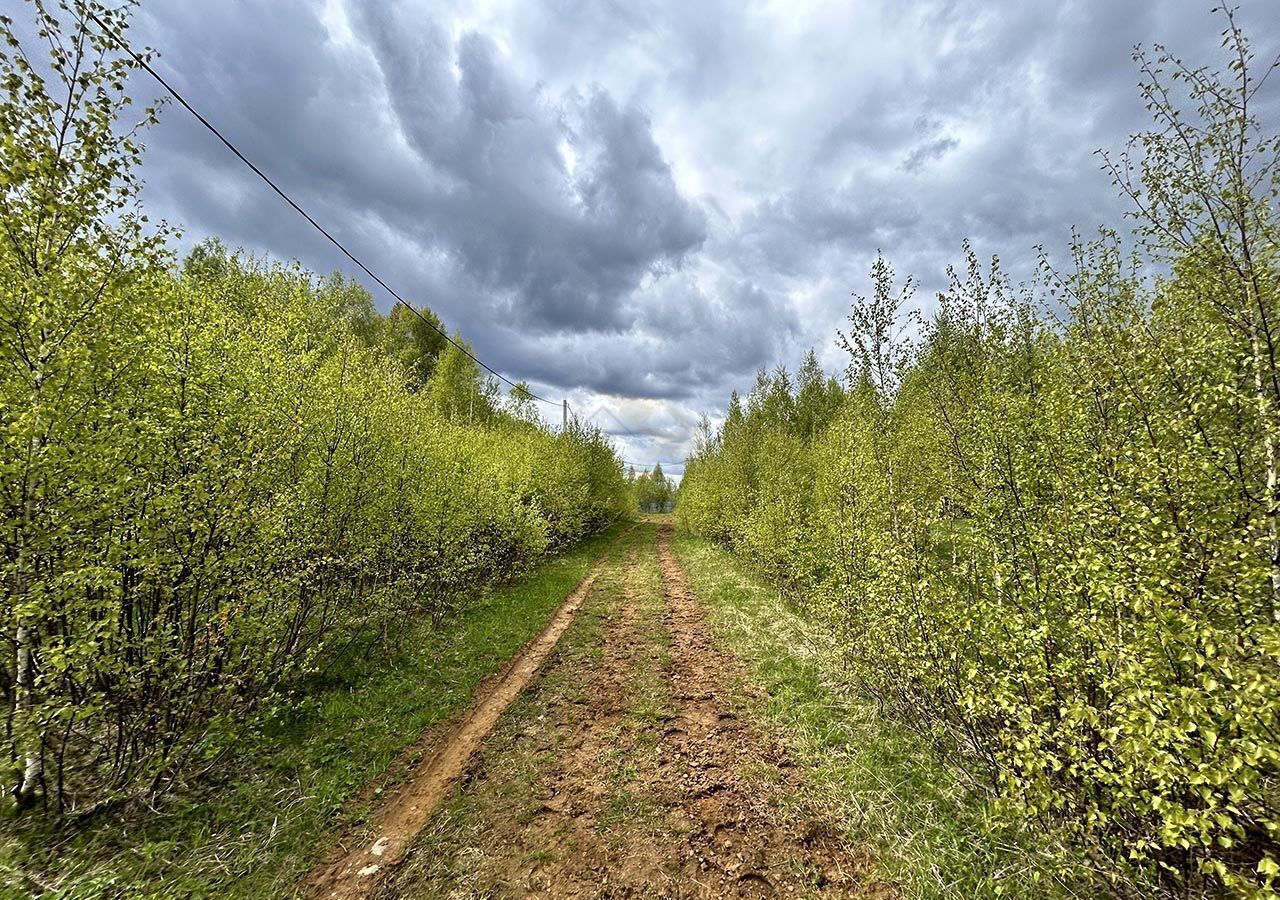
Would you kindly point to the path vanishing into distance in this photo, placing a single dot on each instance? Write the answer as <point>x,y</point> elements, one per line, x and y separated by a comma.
<point>327,586</point>
<point>608,758</point>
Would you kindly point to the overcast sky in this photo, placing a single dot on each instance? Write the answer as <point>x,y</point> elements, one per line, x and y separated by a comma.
<point>637,204</point>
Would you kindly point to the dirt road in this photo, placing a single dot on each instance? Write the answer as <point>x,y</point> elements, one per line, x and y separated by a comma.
<point>623,769</point>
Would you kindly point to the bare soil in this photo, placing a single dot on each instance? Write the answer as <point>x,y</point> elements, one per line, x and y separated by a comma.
<point>626,769</point>
<point>730,781</point>
<point>357,871</point>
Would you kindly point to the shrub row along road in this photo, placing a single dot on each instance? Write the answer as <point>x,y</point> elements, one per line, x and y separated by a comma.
<point>623,769</point>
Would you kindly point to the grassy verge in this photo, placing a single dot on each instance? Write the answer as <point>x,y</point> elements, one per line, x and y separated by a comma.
<point>274,807</point>
<point>934,837</point>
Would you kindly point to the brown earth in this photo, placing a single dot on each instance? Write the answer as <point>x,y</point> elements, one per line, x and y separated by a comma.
<point>731,779</point>
<point>357,871</point>
<point>625,770</point>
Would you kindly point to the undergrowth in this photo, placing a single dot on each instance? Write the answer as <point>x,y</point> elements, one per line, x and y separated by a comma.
<point>932,832</point>
<point>272,809</point>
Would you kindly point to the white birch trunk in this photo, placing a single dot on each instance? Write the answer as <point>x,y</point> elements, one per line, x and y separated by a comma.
<point>27,739</point>
<point>1272,477</point>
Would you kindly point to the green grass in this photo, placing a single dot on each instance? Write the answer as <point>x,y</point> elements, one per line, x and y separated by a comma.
<point>274,807</point>
<point>932,833</point>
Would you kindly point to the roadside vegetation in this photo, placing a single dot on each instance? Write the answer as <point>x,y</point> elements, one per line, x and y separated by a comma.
<point>224,480</point>
<point>653,489</point>
<point>932,835</point>
<point>310,765</point>
<point>1042,526</point>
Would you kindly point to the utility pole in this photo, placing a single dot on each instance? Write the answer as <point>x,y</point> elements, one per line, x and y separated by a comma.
<point>564,421</point>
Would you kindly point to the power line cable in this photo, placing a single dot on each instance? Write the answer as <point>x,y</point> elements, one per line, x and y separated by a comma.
<point>142,62</point>
<point>625,462</point>
<point>625,427</point>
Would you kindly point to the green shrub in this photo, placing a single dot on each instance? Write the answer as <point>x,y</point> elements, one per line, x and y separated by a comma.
<point>213,475</point>
<point>1047,534</point>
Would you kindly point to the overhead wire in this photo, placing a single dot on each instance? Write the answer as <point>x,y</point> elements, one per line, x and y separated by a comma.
<point>146,66</point>
<point>213,129</point>
<point>625,462</point>
<point>625,427</point>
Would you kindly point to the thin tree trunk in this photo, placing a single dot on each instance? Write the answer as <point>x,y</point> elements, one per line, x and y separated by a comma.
<point>27,790</point>
<point>27,742</point>
<point>1272,494</point>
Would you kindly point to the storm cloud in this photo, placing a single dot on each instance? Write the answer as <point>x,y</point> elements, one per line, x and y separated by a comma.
<point>636,205</point>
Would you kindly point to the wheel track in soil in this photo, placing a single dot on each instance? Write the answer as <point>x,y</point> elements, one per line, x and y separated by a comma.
<point>358,872</point>
<point>730,823</point>
<point>740,843</point>
<point>587,860</point>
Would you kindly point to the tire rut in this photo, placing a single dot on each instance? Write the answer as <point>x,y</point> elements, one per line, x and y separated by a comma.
<point>629,774</point>
<point>360,871</point>
<point>731,780</point>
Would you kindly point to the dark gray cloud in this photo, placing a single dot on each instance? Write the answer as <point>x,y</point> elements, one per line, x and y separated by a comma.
<point>559,206</point>
<point>929,150</point>
<point>638,204</point>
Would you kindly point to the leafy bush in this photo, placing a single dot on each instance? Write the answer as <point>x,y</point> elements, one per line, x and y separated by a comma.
<point>1047,533</point>
<point>652,490</point>
<point>213,476</point>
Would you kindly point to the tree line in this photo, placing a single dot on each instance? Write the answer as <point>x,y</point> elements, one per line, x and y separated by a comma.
<point>217,475</point>
<point>1042,523</point>
<point>653,489</point>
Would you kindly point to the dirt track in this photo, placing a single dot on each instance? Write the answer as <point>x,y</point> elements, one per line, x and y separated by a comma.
<point>622,771</point>
<point>357,871</point>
